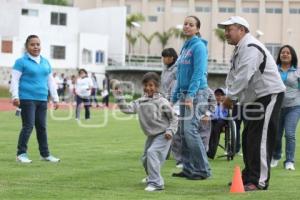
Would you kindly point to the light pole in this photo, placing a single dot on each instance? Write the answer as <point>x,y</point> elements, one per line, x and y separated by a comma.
<point>259,33</point>
<point>179,27</point>
<point>289,31</point>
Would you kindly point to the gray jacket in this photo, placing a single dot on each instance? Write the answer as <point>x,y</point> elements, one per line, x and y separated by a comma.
<point>292,83</point>
<point>253,72</point>
<point>168,81</point>
<point>155,114</point>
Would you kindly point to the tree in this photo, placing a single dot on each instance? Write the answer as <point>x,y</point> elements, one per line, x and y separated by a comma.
<point>164,37</point>
<point>131,21</point>
<point>178,33</point>
<point>148,40</point>
<point>56,2</point>
<point>131,41</point>
<point>220,33</point>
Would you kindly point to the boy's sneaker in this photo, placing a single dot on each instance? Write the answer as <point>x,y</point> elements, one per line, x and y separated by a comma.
<point>145,180</point>
<point>23,158</point>
<point>179,165</point>
<point>51,159</point>
<point>289,166</point>
<point>151,188</point>
<point>274,162</point>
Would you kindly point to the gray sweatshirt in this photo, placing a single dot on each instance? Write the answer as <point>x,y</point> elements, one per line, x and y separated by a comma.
<point>253,72</point>
<point>292,83</point>
<point>168,80</point>
<point>155,114</point>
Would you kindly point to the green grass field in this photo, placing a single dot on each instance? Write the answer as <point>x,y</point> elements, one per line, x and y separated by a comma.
<point>104,163</point>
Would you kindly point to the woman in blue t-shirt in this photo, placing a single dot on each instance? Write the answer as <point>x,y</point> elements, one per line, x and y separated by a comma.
<point>287,62</point>
<point>31,80</point>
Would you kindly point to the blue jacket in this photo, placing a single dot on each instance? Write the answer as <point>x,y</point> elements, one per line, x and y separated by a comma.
<point>33,83</point>
<point>220,112</point>
<point>191,68</point>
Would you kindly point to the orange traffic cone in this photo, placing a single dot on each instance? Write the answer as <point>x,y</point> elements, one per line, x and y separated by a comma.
<point>237,185</point>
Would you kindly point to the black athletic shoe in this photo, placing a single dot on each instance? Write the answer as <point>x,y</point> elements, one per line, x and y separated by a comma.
<point>180,174</point>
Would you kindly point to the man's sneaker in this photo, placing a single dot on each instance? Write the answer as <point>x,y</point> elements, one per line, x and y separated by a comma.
<point>151,188</point>
<point>274,162</point>
<point>250,187</point>
<point>50,159</point>
<point>289,166</point>
<point>145,180</point>
<point>23,158</point>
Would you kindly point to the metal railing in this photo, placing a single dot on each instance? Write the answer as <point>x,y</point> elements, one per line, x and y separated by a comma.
<point>135,61</point>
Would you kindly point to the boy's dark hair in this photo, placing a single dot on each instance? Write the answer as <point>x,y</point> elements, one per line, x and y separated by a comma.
<point>82,70</point>
<point>151,76</point>
<point>169,52</point>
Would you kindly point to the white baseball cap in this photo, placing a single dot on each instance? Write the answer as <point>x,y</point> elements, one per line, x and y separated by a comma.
<point>234,20</point>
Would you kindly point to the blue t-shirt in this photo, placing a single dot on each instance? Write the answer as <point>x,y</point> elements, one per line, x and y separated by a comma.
<point>33,83</point>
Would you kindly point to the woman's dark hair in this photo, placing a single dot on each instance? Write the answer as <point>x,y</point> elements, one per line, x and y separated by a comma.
<point>29,38</point>
<point>198,24</point>
<point>82,70</point>
<point>170,52</point>
<point>151,76</point>
<point>294,61</point>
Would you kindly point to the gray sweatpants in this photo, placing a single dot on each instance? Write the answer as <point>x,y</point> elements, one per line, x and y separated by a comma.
<point>155,153</point>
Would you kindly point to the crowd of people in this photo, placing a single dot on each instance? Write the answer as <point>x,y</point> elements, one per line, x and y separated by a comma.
<point>179,112</point>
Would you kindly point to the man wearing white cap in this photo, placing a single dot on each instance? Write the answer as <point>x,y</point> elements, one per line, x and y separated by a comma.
<point>254,81</point>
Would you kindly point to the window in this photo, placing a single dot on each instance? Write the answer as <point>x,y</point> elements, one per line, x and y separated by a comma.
<point>30,12</point>
<point>177,9</point>
<point>86,56</point>
<point>6,46</point>
<point>58,52</point>
<point>128,9</point>
<point>152,18</point>
<point>294,11</point>
<point>278,10</point>
<point>99,57</point>
<point>160,9</point>
<point>202,9</point>
<point>273,48</point>
<point>250,10</point>
<point>58,18</point>
<point>274,10</point>
<point>254,10</point>
<point>226,10</point>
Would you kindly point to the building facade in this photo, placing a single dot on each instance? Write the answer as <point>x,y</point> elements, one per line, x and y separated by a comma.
<point>69,38</point>
<point>274,22</point>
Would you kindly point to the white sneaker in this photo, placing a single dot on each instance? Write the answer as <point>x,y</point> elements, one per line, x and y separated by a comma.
<point>51,159</point>
<point>151,188</point>
<point>289,166</point>
<point>274,162</point>
<point>23,158</point>
<point>145,180</point>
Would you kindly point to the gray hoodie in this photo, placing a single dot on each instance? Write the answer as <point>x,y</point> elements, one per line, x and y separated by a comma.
<point>253,72</point>
<point>168,81</point>
<point>155,114</point>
